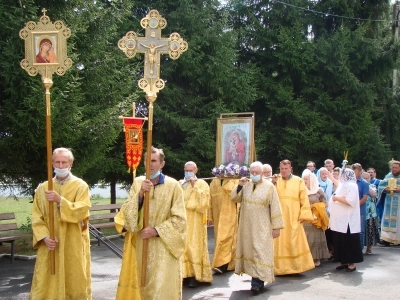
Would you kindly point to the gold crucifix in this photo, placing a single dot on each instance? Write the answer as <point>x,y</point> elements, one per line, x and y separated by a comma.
<point>152,45</point>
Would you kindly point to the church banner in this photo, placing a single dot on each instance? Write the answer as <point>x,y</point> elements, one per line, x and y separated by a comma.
<point>133,142</point>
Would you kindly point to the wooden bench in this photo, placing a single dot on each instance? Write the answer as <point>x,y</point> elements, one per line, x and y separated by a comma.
<point>104,219</point>
<point>11,231</point>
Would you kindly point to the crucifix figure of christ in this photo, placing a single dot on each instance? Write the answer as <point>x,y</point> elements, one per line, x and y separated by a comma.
<point>151,57</point>
<point>152,45</point>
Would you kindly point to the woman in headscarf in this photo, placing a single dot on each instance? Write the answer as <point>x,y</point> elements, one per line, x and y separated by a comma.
<point>324,182</point>
<point>327,186</point>
<point>345,222</point>
<point>372,231</point>
<point>315,231</point>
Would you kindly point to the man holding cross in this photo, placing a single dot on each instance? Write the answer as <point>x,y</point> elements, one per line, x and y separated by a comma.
<point>166,234</point>
<point>71,244</point>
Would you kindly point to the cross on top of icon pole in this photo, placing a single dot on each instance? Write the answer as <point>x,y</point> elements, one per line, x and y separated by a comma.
<point>152,45</point>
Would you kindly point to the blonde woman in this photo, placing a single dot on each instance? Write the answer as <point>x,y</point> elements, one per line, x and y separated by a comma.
<point>315,230</point>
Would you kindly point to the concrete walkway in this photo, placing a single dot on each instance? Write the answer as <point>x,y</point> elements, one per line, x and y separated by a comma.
<point>376,278</point>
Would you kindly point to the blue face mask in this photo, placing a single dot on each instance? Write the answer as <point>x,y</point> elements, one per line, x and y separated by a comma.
<point>153,176</point>
<point>255,178</point>
<point>189,175</point>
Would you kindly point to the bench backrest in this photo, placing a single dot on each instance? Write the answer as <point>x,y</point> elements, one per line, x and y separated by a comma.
<point>106,207</point>
<point>107,211</point>
<point>8,226</point>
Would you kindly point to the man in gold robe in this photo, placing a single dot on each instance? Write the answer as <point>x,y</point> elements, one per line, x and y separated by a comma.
<point>224,215</point>
<point>260,222</point>
<point>71,244</point>
<point>166,234</point>
<point>292,253</point>
<point>196,260</point>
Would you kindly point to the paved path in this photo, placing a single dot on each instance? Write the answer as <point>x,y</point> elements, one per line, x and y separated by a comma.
<point>378,278</point>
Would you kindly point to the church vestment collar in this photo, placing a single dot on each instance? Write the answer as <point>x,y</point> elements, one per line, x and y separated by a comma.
<point>290,176</point>
<point>64,180</point>
<point>161,179</point>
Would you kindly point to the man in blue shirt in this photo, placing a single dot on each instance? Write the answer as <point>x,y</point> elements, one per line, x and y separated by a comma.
<point>363,191</point>
<point>374,180</point>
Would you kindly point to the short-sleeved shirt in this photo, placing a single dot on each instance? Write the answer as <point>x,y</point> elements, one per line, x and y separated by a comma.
<point>375,182</point>
<point>363,189</point>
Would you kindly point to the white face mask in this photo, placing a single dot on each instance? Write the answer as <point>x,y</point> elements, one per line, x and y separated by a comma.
<point>61,172</point>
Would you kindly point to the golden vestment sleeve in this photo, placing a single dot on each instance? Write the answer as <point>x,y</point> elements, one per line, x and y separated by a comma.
<point>212,194</point>
<point>129,217</point>
<point>69,211</point>
<point>305,209</point>
<point>39,225</point>
<point>235,196</point>
<point>78,210</point>
<point>275,210</point>
<point>322,219</point>
<point>199,198</point>
<point>173,230</point>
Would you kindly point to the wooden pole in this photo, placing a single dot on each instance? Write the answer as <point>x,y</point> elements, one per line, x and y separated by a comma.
<point>150,97</point>
<point>133,115</point>
<point>47,83</point>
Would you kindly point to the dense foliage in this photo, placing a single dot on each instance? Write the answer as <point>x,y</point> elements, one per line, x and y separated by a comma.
<point>319,84</point>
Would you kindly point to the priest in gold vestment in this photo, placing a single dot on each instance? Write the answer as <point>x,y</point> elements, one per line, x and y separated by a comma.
<point>224,215</point>
<point>196,260</point>
<point>292,253</point>
<point>260,222</point>
<point>166,233</point>
<point>71,244</point>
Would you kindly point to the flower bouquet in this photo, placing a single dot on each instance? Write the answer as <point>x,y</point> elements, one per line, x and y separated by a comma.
<point>231,170</point>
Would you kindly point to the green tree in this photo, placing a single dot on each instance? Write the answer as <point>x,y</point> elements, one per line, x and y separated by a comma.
<point>204,82</point>
<point>86,101</point>
<point>320,79</point>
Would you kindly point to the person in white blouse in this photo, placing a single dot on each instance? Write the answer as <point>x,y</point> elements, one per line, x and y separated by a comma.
<point>345,222</point>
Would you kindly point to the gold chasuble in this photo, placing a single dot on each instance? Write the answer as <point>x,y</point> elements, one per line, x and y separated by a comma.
<point>292,253</point>
<point>164,264</point>
<point>72,279</point>
<point>260,213</point>
<point>224,214</point>
<point>196,262</point>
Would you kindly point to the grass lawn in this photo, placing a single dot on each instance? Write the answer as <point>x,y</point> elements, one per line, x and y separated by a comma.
<point>22,209</point>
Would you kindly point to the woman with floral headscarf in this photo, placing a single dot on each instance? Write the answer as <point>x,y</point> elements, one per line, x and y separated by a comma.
<point>345,222</point>
<point>314,232</point>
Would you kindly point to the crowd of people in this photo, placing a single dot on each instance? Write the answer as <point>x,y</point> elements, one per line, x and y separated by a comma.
<point>264,225</point>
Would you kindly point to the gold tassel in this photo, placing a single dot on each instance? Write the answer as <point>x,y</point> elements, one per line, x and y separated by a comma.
<point>129,170</point>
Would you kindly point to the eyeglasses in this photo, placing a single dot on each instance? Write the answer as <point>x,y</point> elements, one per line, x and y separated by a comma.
<point>310,166</point>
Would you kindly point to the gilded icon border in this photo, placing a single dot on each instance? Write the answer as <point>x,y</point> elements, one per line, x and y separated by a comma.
<point>45,34</point>
<point>235,140</point>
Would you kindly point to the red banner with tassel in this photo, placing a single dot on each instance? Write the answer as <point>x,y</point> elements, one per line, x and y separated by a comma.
<point>133,142</point>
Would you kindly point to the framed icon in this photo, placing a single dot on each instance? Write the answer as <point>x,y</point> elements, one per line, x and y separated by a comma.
<point>235,140</point>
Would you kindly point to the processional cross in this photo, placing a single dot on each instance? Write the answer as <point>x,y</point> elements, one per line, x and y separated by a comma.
<point>45,54</point>
<point>152,45</point>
